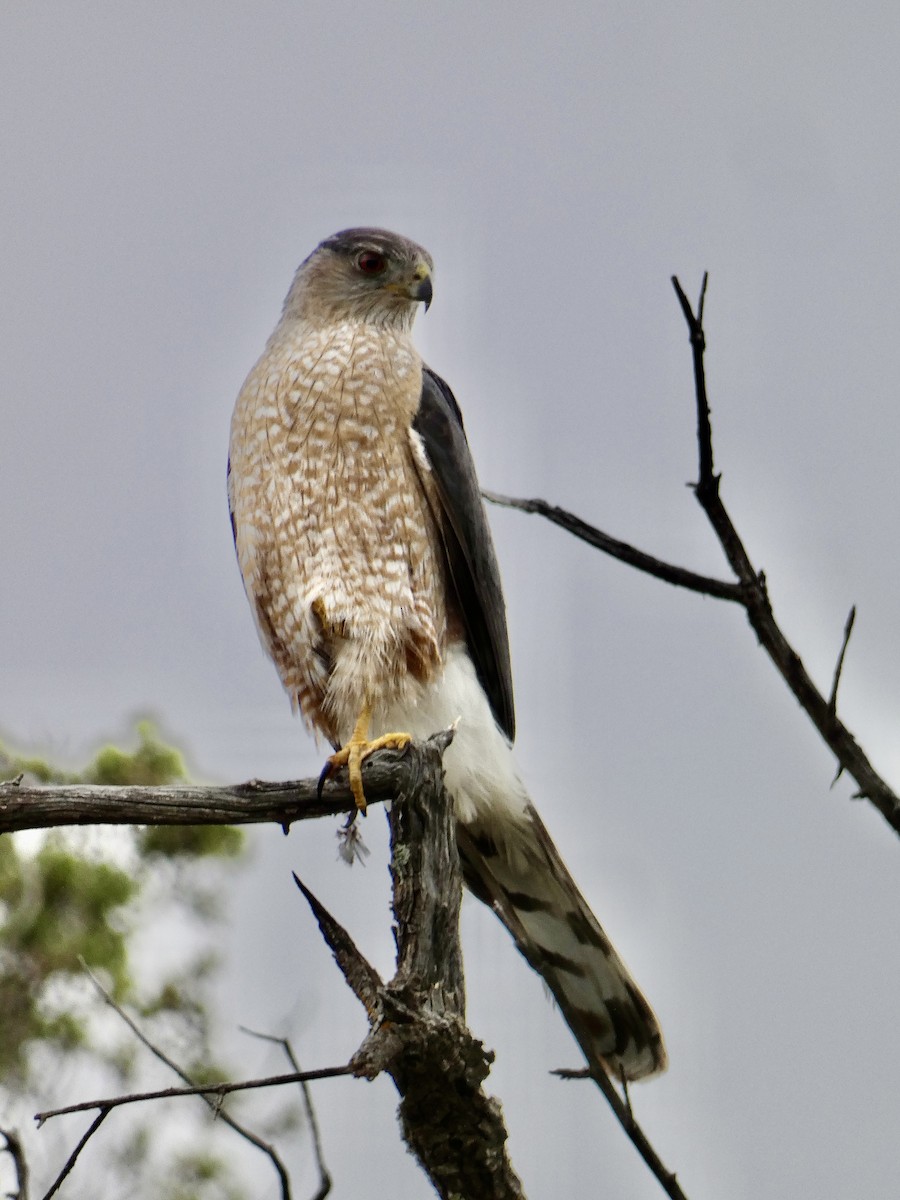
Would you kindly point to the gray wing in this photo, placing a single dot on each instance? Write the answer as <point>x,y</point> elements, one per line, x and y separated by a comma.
<point>471,562</point>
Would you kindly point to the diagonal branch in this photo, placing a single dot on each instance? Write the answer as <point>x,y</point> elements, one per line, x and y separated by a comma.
<point>679,576</point>
<point>748,589</point>
<point>16,1152</point>
<point>364,980</point>
<point>73,1157</point>
<point>833,731</point>
<point>622,1110</point>
<point>215,1105</point>
<point>325,1181</point>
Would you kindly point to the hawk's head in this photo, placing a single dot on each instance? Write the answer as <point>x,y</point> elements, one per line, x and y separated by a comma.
<point>367,275</point>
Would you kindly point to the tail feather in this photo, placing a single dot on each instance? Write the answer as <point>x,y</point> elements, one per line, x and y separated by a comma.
<point>553,927</point>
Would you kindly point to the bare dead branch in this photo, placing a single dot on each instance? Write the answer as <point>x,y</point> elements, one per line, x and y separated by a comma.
<point>417,1028</point>
<point>325,1181</point>
<point>16,1151</point>
<point>25,806</point>
<point>839,666</point>
<point>73,1157</point>
<point>203,1089</point>
<point>364,980</point>
<point>621,1110</point>
<point>679,576</point>
<point>621,1106</point>
<point>708,478</point>
<point>386,775</point>
<point>749,590</point>
<point>215,1105</point>
<point>834,733</point>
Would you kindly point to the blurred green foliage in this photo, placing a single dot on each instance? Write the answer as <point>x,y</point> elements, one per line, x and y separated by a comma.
<point>76,898</point>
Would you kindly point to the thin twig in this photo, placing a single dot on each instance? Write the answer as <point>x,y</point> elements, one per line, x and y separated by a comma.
<point>215,1105</point>
<point>16,1152</point>
<point>668,572</point>
<point>624,1114</point>
<point>70,1162</point>
<point>667,1179</point>
<point>325,1181</point>
<point>209,1089</point>
<point>749,590</point>
<point>708,477</point>
<point>834,733</point>
<point>839,666</point>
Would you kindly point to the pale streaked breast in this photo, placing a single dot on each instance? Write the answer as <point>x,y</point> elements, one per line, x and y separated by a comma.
<point>329,508</point>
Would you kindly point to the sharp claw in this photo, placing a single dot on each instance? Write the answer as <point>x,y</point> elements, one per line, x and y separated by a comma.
<point>323,775</point>
<point>353,755</point>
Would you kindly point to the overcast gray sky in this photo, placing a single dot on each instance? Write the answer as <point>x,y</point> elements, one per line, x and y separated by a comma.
<point>165,168</point>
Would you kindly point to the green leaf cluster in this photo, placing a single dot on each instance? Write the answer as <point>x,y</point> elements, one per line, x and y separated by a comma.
<point>76,898</point>
<point>59,908</point>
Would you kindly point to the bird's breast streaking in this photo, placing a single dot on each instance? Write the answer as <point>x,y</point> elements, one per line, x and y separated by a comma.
<point>337,541</point>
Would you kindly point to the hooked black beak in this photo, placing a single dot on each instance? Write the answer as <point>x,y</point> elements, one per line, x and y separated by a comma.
<point>416,286</point>
<point>425,291</point>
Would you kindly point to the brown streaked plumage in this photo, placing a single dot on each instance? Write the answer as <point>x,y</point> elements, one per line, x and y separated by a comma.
<point>369,567</point>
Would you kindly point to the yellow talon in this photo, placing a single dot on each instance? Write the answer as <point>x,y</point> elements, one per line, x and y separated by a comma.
<point>358,748</point>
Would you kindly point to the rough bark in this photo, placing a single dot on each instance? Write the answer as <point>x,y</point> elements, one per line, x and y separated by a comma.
<point>24,805</point>
<point>417,1031</point>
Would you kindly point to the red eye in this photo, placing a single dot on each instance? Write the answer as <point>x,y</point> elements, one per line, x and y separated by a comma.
<point>370,262</point>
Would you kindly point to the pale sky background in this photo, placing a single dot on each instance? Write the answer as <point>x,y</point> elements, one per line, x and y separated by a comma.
<point>165,168</point>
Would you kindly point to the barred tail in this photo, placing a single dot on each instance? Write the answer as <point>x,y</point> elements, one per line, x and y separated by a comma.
<point>537,900</point>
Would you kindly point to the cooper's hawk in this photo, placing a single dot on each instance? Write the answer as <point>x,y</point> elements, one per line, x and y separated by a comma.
<point>370,571</point>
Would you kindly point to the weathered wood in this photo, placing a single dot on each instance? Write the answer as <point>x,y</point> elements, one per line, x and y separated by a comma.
<point>418,1033</point>
<point>30,806</point>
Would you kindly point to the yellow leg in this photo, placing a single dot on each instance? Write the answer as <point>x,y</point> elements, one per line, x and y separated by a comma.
<point>359,747</point>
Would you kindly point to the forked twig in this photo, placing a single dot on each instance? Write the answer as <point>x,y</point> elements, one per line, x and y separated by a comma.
<point>325,1181</point>
<point>749,588</point>
<point>16,1152</point>
<point>73,1157</point>
<point>215,1105</point>
<point>821,712</point>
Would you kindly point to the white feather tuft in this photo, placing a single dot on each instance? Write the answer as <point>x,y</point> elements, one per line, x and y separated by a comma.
<point>479,768</point>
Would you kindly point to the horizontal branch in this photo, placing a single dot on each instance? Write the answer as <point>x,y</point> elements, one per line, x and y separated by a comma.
<point>204,1089</point>
<point>26,806</point>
